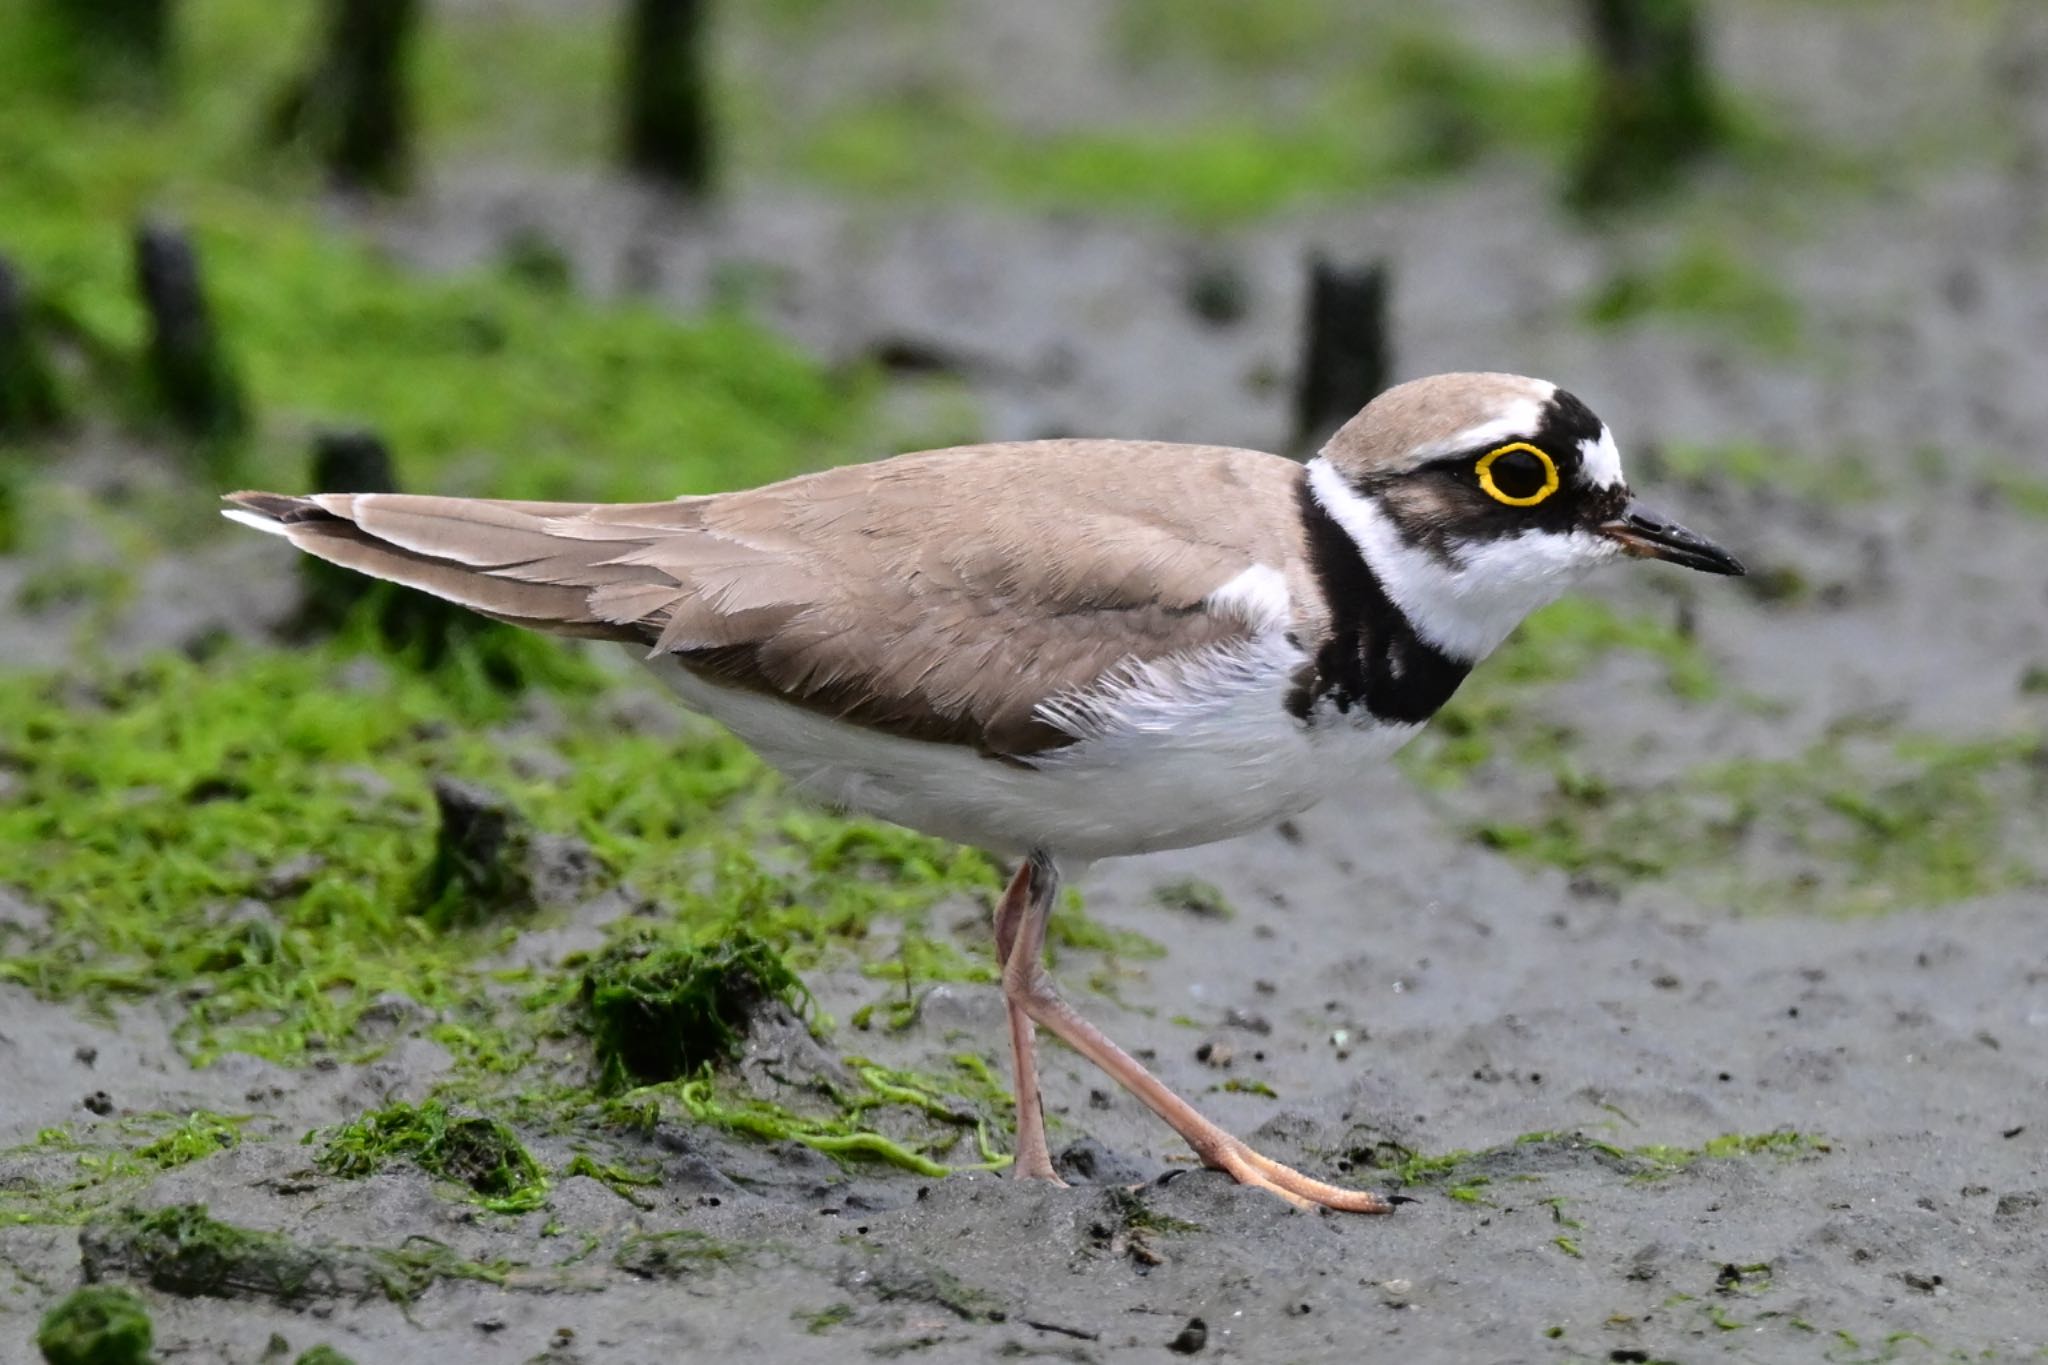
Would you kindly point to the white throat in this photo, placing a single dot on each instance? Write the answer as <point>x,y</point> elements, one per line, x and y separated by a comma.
<point>1467,605</point>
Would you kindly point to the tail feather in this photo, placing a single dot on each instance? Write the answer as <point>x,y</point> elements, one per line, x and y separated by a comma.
<point>501,559</point>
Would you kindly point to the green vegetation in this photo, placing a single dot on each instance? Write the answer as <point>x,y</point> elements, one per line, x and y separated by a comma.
<point>1418,105</point>
<point>1847,828</point>
<point>62,1176</point>
<point>471,1150</point>
<point>1493,712</point>
<point>2025,493</point>
<point>171,791</point>
<point>1197,897</point>
<point>931,1115</point>
<point>182,1250</point>
<point>659,1013</point>
<point>1462,1175</point>
<point>1702,284</point>
<point>200,1135</point>
<point>323,1355</point>
<point>825,1319</point>
<point>618,1179</point>
<point>97,1325</point>
<point>1836,477</point>
<point>576,399</point>
<point>671,1255</point>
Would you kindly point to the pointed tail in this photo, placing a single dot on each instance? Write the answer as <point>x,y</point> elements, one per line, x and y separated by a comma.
<point>497,558</point>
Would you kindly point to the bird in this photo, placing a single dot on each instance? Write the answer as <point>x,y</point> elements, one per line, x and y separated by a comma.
<point>1071,649</point>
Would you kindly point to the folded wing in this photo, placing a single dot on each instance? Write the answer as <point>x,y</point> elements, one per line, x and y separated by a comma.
<point>941,596</point>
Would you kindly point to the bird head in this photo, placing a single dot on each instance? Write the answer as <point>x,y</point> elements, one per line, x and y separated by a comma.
<point>1477,498</point>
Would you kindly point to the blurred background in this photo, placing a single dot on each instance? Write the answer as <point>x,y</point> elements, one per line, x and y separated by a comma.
<point>1791,250</point>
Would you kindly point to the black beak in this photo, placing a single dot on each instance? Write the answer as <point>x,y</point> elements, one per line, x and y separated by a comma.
<point>1647,535</point>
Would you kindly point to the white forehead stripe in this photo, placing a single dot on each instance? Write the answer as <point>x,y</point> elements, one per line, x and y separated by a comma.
<point>1518,421</point>
<point>1600,461</point>
<point>1467,607</point>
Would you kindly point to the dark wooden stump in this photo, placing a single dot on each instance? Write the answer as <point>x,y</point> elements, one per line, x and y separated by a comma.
<point>1654,109</point>
<point>1347,357</point>
<point>668,95</point>
<point>30,401</point>
<point>356,460</point>
<point>353,107</point>
<point>345,461</point>
<point>192,382</point>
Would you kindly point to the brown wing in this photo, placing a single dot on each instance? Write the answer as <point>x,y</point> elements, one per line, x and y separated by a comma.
<point>938,596</point>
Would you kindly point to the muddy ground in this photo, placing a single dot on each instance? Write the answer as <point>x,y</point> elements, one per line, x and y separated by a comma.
<point>1396,985</point>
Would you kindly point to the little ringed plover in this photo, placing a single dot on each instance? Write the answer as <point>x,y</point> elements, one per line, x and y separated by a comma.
<point>1072,649</point>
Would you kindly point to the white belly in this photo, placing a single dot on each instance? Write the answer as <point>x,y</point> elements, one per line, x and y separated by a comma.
<point>1178,756</point>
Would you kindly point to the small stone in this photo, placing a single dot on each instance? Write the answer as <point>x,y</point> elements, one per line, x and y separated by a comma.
<point>291,877</point>
<point>2018,1205</point>
<point>1248,1021</point>
<point>99,1102</point>
<point>1191,1338</point>
<point>1216,1054</point>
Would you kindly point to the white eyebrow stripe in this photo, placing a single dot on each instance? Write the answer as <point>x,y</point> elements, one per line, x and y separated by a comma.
<point>1520,421</point>
<point>1600,461</point>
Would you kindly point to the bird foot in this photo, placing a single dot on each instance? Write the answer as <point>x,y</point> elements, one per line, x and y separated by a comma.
<point>1247,1167</point>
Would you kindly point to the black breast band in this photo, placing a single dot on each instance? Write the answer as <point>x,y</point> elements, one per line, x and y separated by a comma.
<point>1373,656</point>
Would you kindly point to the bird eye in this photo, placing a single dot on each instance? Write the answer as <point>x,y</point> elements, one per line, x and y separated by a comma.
<point>1519,475</point>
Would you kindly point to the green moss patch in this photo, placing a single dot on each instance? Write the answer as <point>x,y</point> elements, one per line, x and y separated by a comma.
<point>1854,826</point>
<point>66,1174</point>
<point>201,1134</point>
<point>671,1255</point>
<point>1464,1175</point>
<point>657,1013</point>
<point>472,1150</point>
<point>323,1355</point>
<point>259,824</point>
<point>97,1325</point>
<point>1499,709</point>
<point>1701,285</point>
<point>182,1250</point>
<point>925,1118</point>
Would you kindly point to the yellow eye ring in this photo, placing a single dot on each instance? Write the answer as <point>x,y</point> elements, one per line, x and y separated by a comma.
<point>1494,491</point>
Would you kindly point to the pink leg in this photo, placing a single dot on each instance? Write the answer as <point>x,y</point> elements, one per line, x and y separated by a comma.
<point>1028,987</point>
<point>1033,1159</point>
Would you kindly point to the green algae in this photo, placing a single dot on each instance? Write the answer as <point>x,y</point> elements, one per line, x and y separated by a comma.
<point>476,1151</point>
<point>618,1179</point>
<point>1839,478</point>
<point>1194,896</point>
<point>671,1255</point>
<point>1463,1174</point>
<point>1422,105</point>
<point>657,1013</point>
<point>847,1128</point>
<point>1853,826</point>
<point>64,1176</point>
<point>1313,102</point>
<point>259,822</point>
<point>824,1319</point>
<point>323,1355</point>
<point>1494,712</point>
<point>200,1135</point>
<point>183,1250</point>
<point>1701,284</point>
<point>97,1325</point>
<point>2023,492</point>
